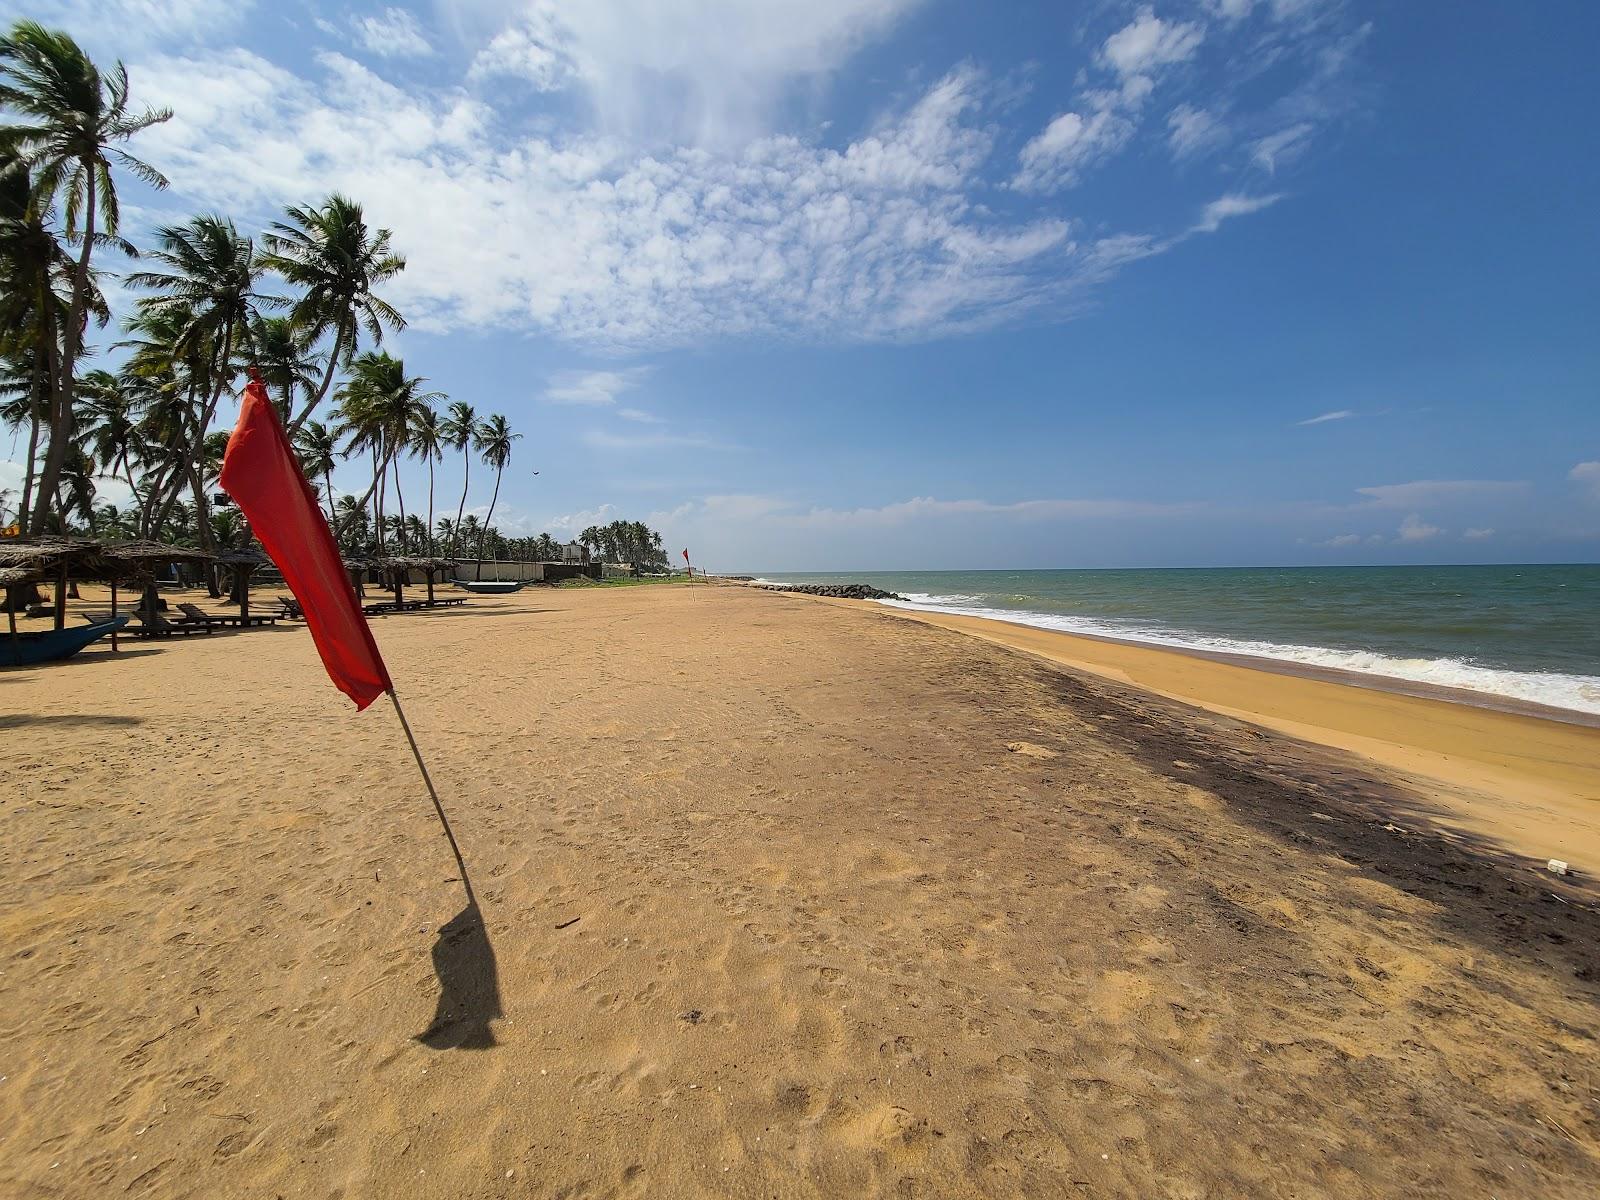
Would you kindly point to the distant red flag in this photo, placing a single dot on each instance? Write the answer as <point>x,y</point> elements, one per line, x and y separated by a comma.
<point>263,476</point>
<point>685,556</point>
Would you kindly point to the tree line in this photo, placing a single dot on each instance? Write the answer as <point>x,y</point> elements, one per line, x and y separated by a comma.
<point>204,316</point>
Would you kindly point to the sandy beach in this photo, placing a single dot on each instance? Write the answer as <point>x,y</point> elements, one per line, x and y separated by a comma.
<point>783,897</point>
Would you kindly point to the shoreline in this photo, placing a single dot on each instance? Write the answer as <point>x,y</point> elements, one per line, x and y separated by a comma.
<point>1371,681</point>
<point>1519,776</point>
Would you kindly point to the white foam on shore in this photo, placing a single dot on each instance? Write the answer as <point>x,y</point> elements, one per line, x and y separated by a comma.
<point>1578,693</point>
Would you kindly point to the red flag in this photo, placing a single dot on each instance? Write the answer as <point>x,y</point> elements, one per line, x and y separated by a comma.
<point>263,476</point>
<point>685,556</point>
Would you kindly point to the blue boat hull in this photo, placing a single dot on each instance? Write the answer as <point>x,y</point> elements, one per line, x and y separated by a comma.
<point>28,649</point>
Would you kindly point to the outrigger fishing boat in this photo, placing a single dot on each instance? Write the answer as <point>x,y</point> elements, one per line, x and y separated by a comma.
<point>53,645</point>
<point>491,587</point>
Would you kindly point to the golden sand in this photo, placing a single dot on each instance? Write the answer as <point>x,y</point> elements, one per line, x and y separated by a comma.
<point>776,898</point>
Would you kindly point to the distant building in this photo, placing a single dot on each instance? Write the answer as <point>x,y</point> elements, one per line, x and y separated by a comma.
<point>573,552</point>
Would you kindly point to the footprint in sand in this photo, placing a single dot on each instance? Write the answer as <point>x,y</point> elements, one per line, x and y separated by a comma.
<point>1030,750</point>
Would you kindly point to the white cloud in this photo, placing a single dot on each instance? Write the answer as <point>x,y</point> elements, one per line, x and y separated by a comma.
<point>583,239</point>
<point>1343,414</point>
<point>1587,475</point>
<point>1281,147</point>
<point>924,508</point>
<point>577,522</point>
<point>392,33</point>
<point>115,26</point>
<point>639,415</point>
<point>592,388</point>
<point>1072,141</point>
<point>1105,119</point>
<point>1226,207</point>
<point>684,72</point>
<point>1192,131</point>
<point>1231,10</point>
<point>1345,539</point>
<point>1414,529</point>
<point>1477,535</point>
<point>1147,42</point>
<point>519,52</point>
<point>1427,493</point>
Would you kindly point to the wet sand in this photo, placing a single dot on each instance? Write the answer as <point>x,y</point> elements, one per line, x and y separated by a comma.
<point>773,897</point>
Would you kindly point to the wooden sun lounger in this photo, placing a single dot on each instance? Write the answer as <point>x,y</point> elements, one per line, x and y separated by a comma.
<point>198,616</point>
<point>159,627</point>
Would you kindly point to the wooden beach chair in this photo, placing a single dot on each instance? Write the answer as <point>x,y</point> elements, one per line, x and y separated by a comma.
<point>195,615</point>
<point>150,626</point>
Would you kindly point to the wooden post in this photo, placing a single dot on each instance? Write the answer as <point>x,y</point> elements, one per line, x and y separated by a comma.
<point>61,597</point>
<point>244,595</point>
<point>113,614</point>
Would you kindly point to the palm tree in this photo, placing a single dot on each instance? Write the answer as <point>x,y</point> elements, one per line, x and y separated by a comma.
<point>494,442</point>
<point>315,446</point>
<point>35,272</point>
<point>73,119</point>
<point>208,292</point>
<point>286,363</point>
<point>330,254</point>
<point>427,443</point>
<point>459,430</point>
<point>353,527</point>
<point>109,422</point>
<point>379,407</point>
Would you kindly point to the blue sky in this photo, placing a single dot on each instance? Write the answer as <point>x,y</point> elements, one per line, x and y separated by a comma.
<point>841,284</point>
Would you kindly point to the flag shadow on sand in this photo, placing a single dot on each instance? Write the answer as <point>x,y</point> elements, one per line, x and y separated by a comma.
<point>469,985</point>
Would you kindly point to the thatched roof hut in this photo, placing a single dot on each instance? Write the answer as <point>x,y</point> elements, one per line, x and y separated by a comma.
<point>65,560</point>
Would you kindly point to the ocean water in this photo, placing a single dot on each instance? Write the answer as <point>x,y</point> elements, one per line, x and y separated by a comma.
<point>1519,633</point>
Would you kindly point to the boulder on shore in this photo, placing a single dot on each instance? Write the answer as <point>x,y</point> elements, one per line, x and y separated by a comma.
<point>838,591</point>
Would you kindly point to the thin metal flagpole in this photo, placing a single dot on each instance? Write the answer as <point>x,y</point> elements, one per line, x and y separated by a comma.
<point>433,795</point>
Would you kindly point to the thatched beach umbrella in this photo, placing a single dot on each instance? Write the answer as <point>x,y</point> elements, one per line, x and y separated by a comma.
<point>51,558</point>
<point>243,563</point>
<point>11,577</point>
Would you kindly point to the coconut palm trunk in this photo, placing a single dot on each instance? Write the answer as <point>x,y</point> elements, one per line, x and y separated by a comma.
<point>61,409</point>
<point>484,532</point>
<point>430,504</point>
<point>466,477</point>
<point>399,499</point>
<point>322,392</point>
<point>219,365</point>
<point>35,398</point>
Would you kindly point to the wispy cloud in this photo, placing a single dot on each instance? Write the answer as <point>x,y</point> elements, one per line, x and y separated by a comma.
<point>929,508</point>
<point>392,33</point>
<point>1587,475</point>
<point>1429,493</point>
<point>1477,535</point>
<point>576,522</point>
<point>664,203</point>
<point>1343,414</point>
<point>592,388</point>
<point>1414,529</point>
<point>1225,207</point>
<point>639,415</point>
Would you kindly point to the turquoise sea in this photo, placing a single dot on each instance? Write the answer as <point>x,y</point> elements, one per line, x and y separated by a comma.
<point>1529,633</point>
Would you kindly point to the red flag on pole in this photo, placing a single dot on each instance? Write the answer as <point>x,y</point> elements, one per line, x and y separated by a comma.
<point>263,476</point>
<point>685,556</point>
